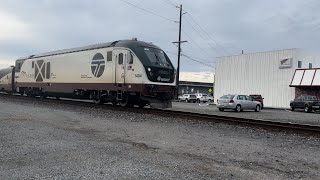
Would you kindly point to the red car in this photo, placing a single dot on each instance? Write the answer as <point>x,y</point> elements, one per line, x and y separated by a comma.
<point>257,97</point>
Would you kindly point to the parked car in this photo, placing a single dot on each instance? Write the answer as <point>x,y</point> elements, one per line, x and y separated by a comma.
<point>188,98</point>
<point>210,98</point>
<point>257,97</point>
<point>238,103</point>
<point>201,97</point>
<point>308,103</point>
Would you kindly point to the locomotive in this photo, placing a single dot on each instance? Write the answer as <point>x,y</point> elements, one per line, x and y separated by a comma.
<point>125,72</point>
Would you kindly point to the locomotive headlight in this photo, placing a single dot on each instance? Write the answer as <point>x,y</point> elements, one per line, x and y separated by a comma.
<point>150,72</point>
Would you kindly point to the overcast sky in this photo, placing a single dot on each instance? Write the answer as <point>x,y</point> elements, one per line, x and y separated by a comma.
<point>211,27</point>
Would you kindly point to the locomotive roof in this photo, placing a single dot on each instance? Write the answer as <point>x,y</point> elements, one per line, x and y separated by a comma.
<point>121,43</point>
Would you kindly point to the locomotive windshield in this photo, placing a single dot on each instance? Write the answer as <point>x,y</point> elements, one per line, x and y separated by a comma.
<point>158,57</point>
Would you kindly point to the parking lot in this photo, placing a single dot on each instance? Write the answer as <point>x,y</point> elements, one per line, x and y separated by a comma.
<point>284,115</point>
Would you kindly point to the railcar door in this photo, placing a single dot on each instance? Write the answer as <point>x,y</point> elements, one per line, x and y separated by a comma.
<point>120,64</point>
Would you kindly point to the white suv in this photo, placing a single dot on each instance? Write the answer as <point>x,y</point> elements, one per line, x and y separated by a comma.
<point>202,97</point>
<point>187,98</point>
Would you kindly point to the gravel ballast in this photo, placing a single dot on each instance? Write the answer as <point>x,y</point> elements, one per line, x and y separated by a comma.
<point>50,140</point>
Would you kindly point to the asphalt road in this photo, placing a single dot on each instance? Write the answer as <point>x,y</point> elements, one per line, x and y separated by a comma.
<point>283,115</point>
<point>48,140</point>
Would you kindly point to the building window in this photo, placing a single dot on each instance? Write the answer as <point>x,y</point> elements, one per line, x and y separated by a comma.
<point>299,64</point>
<point>310,65</point>
<point>32,64</point>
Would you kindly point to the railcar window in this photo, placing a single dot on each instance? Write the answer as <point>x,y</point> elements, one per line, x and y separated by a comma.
<point>130,58</point>
<point>120,61</point>
<point>109,56</point>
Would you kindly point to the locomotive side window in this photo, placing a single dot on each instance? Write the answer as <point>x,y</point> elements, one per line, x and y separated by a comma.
<point>120,60</point>
<point>48,71</point>
<point>109,56</point>
<point>130,58</point>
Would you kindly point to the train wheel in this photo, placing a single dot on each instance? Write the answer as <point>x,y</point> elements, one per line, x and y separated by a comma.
<point>141,104</point>
<point>28,93</point>
<point>43,96</point>
<point>98,101</point>
<point>125,101</point>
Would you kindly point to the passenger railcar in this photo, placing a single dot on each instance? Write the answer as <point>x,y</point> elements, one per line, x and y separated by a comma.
<point>6,79</point>
<point>128,72</point>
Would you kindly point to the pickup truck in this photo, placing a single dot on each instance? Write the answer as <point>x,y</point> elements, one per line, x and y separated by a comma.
<point>308,103</point>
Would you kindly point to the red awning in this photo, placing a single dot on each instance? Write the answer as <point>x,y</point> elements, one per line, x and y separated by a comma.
<point>306,77</point>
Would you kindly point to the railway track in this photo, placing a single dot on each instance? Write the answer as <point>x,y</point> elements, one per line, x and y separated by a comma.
<point>257,123</point>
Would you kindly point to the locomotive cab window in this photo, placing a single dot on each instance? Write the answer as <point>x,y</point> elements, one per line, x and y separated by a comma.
<point>130,58</point>
<point>157,56</point>
<point>120,60</point>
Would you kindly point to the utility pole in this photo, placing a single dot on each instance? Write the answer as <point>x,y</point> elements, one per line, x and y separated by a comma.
<point>179,52</point>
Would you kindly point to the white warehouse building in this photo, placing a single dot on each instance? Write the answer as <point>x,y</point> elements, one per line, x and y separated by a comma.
<point>266,73</point>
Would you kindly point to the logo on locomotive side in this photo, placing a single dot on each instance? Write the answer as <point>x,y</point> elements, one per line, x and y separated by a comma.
<point>39,70</point>
<point>98,65</point>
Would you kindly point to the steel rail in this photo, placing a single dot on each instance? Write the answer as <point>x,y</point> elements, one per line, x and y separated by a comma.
<point>258,123</point>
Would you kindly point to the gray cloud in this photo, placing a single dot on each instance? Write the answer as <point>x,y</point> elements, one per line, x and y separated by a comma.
<point>249,25</point>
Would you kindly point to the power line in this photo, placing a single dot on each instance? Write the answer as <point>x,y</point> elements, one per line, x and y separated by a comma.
<point>193,59</point>
<point>195,30</point>
<point>145,10</point>
<point>196,44</point>
<point>204,61</point>
<point>170,3</point>
<point>197,61</point>
<point>208,34</point>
